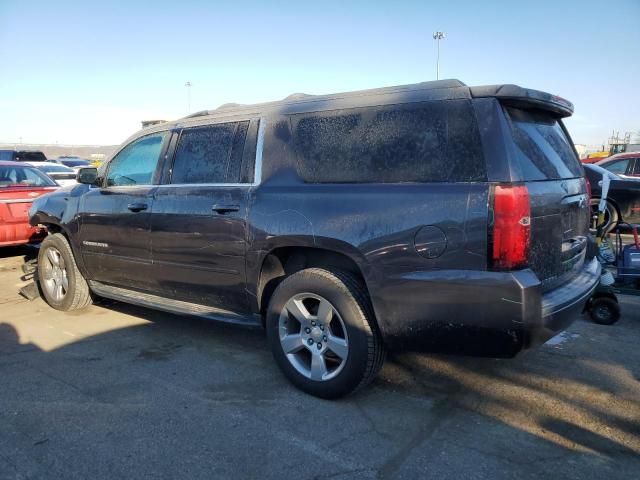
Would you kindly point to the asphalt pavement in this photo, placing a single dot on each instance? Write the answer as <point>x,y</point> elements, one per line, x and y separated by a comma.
<point>119,391</point>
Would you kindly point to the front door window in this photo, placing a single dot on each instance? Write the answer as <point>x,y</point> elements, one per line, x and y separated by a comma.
<point>136,163</point>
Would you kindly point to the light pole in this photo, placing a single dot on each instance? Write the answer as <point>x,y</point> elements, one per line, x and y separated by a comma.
<point>437,36</point>
<point>188,85</point>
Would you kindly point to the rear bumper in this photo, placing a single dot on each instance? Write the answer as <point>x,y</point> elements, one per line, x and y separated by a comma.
<point>20,233</point>
<point>476,312</point>
<point>561,306</point>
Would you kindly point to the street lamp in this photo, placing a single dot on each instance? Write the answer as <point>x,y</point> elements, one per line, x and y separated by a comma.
<point>437,36</point>
<point>188,85</point>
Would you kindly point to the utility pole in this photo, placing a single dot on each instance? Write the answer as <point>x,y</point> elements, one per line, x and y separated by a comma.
<point>188,85</point>
<point>437,36</point>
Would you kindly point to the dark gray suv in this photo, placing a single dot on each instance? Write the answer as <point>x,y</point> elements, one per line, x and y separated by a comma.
<point>433,216</point>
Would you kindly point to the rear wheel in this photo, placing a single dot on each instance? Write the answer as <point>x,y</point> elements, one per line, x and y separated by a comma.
<point>604,311</point>
<point>62,285</point>
<point>322,332</point>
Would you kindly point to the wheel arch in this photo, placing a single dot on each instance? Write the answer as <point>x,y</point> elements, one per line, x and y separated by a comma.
<point>282,261</point>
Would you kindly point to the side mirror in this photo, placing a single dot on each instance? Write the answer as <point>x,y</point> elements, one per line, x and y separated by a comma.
<point>87,175</point>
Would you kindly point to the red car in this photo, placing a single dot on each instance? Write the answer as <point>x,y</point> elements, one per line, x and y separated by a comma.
<point>623,164</point>
<point>20,184</point>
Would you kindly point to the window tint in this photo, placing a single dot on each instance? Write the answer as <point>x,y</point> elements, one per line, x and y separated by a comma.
<point>636,167</point>
<point>136,163</point>
<point>419,142</point>
<point>544,151</point>
<point>619,167</point>
<point>31,157</point>
<point>24,177</point>
<point>6,155</point>
<point>210,154</point>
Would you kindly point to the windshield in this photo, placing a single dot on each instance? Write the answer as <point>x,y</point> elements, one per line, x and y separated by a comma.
<point>75,163</point>
<point>543,149</point>
<point>55,169</point>
<point>19,176</point>
<point>31,157</point>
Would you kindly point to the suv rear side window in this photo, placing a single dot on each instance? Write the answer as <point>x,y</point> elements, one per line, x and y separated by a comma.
<point>210,154</point>
<point>544,150</point>
<point>417,142</point>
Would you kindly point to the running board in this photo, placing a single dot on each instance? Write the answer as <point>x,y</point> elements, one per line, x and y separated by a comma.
<point>173,306</point>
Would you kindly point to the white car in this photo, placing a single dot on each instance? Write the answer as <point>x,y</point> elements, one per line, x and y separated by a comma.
<point>72,162</point>
<point>62,175</point>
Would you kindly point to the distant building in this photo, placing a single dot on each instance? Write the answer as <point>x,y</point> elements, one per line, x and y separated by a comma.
<point>150,123</point>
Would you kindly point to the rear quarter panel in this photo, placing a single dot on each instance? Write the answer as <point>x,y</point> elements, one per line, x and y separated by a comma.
<point>375,225</point>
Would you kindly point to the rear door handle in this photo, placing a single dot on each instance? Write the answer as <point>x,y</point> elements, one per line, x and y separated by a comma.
<point>137,207</point>
<point>222,209</point>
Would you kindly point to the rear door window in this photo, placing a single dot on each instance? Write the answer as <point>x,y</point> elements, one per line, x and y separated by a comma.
<point>210,154</point>
<point>416,142</point>
<point>619,168</point>
<point>543,149</point>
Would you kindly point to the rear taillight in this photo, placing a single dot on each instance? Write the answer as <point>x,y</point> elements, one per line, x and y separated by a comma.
<point>511,227</point>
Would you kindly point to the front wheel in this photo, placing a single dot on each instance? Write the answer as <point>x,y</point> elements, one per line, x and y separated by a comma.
<point>61,283</point>
<point>322,332</point>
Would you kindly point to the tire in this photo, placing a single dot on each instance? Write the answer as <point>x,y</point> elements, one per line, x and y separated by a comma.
<point>62,285</point>
<point>604,311</point>
<point>310,332</point>
<point>611,216</point>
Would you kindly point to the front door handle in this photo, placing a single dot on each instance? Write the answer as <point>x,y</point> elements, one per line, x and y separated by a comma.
<point>137,207</point>
<point>222,209</point>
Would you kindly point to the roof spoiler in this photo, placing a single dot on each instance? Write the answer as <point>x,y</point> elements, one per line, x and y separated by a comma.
<point>525,97</point>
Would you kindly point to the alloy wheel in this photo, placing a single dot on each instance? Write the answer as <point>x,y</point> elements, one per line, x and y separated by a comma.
<point>313,336</point>
<point>55,278</point>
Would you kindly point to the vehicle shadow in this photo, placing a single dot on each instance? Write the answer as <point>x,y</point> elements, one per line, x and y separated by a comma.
<point>24,252</point>
<point>585,402</point>
<point>551,403</point>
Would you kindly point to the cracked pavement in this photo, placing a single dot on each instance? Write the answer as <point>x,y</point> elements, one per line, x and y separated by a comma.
<point>124,392</point>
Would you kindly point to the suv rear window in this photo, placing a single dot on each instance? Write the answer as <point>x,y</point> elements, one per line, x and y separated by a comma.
<point>31,157</point>
<point>544,150</point>
<point>416,142</point>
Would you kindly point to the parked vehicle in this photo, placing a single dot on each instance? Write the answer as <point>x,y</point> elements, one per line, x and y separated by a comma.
<point>20,184</point>
<point>433,216</point>
<point>622,202</point>
<point>72,162</point>
<point>22,156</point>
<point>622,164</point>
<point>62,175</point>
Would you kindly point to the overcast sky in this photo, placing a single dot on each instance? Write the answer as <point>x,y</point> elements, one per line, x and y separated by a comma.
<point>87,73</point>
